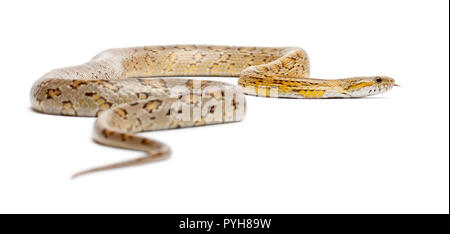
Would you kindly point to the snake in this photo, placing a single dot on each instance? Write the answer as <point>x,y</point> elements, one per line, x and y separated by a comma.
<point>138,89</point>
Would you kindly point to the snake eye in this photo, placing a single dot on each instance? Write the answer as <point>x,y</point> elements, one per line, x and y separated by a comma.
<point>379,80</point>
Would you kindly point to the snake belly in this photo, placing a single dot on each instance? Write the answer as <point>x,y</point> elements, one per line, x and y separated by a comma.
<point>126,90</point>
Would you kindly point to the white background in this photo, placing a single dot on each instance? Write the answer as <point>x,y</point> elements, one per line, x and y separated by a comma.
<point>385,154</point>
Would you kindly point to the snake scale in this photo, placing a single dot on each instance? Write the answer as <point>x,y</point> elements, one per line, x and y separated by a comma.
<point>124,88</point>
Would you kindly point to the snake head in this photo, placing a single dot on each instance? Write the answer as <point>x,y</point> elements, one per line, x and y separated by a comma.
<point>367,86</point>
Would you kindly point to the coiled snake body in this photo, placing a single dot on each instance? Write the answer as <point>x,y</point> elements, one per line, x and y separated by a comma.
<point>112,86</point>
